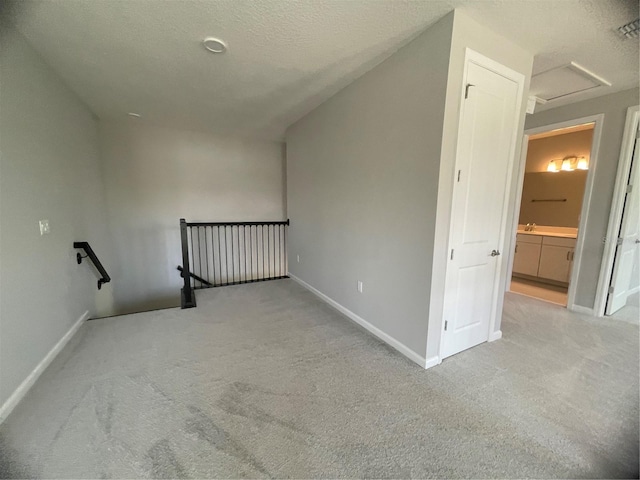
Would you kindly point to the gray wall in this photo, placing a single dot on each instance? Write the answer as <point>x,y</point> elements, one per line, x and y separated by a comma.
<point>370,176</point>
<point>362,175</point>
<point>614,107</point>
<point>155,176</point>
<point>49,170</point>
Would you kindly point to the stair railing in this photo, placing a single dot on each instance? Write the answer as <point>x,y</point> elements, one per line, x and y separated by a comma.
<point>216,254</point>
<point>94,258</point>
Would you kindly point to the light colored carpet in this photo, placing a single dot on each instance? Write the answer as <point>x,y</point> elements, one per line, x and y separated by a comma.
<point>265,380</point>
<point>631,311</point>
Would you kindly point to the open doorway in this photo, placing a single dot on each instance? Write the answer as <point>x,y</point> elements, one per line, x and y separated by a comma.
<point>553,194</point>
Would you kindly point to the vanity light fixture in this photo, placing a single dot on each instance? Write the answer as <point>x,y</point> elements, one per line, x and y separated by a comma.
<point>566,164</point>
<point>582,164</point>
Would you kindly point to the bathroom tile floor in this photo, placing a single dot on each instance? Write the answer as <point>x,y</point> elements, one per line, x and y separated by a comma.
<point>542,291</point>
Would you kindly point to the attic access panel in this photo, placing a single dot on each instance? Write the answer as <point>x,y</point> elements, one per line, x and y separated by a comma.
<point>563,81</point>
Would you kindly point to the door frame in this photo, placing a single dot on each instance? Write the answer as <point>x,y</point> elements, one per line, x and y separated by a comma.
<point>598,121</point>
<point>524,148</point>
<point>472,56</point>
<point>617,204</point>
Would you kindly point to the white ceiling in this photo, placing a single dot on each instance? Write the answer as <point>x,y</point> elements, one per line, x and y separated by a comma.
<point>286,57</point>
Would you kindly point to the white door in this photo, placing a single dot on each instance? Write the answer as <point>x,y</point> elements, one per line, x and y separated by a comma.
<point>628,240</point>
<point>483,170</point>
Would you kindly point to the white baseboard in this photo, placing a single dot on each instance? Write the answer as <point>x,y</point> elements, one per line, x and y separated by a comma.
<point>634,290</point>
<point>28,382</point>
<point>399,346</point>
<point>581,309</point>
<point>432,362</point>
<point>493,336</point>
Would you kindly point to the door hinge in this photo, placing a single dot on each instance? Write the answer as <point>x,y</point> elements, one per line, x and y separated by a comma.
<point>619,241</point>
<point>629,188</point>
<point>637,133</point>
<point>466,90</point>
<point>459,174</point>
<point>446,324</point>
<point>611,289</point>
<point>452,254</point>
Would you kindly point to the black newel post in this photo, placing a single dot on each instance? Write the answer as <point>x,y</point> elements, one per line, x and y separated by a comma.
<point>188,296</point>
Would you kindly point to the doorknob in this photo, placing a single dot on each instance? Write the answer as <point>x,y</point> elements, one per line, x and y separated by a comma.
<point>495,253</point>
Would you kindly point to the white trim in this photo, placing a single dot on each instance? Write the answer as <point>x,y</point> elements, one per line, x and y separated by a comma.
<point>497,335</point>
<point>598,121</point>
<point>496,67</point>
<point>432,362</point>
<point>617,204</point>
<point>584,211</point>
<point>524,149</point>
<point>581,309</point>
<point>399,346</point>
<point>471,56</point>
<point>28,382</point>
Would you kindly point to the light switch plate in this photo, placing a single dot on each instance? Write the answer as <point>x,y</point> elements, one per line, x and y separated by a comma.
<point>44,227</point>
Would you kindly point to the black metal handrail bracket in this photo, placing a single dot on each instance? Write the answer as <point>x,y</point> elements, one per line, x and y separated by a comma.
<point>94,258</point>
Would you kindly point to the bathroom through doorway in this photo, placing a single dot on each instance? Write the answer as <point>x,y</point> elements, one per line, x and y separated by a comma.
<point>552,200</point>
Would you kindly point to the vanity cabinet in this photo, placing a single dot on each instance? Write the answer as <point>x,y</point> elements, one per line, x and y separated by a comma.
<point>556,257</point>
<point>527,255</point>
<point>545,257</point>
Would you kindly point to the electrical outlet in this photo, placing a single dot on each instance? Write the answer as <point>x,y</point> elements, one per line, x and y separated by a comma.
<point>44,227</point>
<point>298,258</point>
<point>359,286</point>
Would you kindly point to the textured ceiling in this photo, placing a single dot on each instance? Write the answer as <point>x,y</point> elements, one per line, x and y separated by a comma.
<point>285,57</point>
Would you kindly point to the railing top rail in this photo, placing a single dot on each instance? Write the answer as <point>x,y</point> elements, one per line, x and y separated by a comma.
<point>227,224</point>
<point>94,258</point>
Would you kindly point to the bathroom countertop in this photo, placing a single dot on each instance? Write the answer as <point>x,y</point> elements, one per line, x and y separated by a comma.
<point>548,231</point>
<point>542,233</point>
